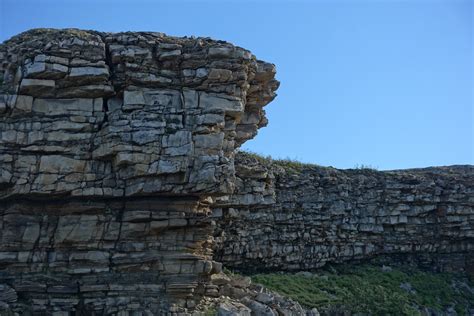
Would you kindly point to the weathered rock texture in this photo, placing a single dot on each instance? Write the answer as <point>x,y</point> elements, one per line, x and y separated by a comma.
<point>118,174</point>
<point>113,115</point>
<point>287,216</point>
<point>112,146</point>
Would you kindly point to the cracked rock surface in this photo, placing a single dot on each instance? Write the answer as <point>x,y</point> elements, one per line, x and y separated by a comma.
<point>286,216</point>
<point>112,147</point>
<point>122,191</point>
<point>121,114</point>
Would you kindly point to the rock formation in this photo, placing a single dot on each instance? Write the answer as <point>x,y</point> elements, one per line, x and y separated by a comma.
<point>288,216</point>
<point>112,148</point>
<point>121,191</point>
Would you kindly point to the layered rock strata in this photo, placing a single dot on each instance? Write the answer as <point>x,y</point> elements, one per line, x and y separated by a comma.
<point>121,191</point>
<point>288,216</point>
<point>113,115</point>
<point>112,147</point>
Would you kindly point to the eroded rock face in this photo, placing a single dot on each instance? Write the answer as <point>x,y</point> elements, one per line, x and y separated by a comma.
<point>106,256</point>
<point>99,114</point>
<point>112,147</point>
<point>285,216</point>
<point>118,174</point>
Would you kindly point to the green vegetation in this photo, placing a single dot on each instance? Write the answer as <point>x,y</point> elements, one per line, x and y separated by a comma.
<point>295,166</point>
<point>211,311</point>
<point>260,158</point>
<point>230,273</point>
<point>288,164</point>
<point>373,290</point>
<point>291,164</point>
<point>365,167</point>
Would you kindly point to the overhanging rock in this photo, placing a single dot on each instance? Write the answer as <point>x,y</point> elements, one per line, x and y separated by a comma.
<point>113,146</point>
<point>112,115</point>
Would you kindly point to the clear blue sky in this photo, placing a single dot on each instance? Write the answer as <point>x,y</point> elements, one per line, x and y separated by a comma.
<point>382,83</point>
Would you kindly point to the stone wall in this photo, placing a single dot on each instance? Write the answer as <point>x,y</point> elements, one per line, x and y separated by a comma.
<point>288,216</point>
<point>112,146</point>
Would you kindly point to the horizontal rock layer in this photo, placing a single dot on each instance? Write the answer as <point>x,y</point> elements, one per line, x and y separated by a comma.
<point>287,216</point>
<point>105,256</point>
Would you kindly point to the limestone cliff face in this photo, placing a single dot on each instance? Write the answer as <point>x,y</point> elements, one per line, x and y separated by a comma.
<point>112,115</point>
<point>121,191</point>
<point>286,216</point>
<point>112,146</point>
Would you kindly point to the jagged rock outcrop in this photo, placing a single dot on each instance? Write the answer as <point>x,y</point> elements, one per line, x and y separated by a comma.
<point>101,114</point>
<point>112,147</point>
<point>289,216</point>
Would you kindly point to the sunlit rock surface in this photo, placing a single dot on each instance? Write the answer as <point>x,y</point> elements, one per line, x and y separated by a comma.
<point>112,147</point>
<point>122,191</point>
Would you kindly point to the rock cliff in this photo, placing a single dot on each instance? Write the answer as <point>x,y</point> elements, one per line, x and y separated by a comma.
<point>290,216</point>
<point>112,148</point>
<point>121,190</point>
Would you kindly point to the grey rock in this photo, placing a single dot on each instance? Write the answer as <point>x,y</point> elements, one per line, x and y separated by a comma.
<point>224,51</point>
<point>264,298</point>
<point>313,312</point>
<point>89,72</point>
<point>37,87</point>
<point>24,103</point>
<point>213,102</point>
<point>169,55</point>
<point>259,308</point>
<point>3,104</point>
<point>43,70</point>
<point>63,106</point>
<point>7,294</point>
<point>60,164</point>
<point>233,309</point>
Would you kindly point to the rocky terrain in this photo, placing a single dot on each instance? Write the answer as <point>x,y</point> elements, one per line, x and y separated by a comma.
<point>122,191</point>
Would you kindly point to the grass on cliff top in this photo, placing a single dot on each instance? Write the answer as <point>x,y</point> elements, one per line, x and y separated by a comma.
<point>365,167</point>
<point>294,165</point>
<point>287,163</point>
<point>368,289</point>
